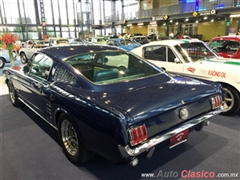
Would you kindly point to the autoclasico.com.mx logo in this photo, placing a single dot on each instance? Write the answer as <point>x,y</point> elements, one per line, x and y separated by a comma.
<point>189,174</point>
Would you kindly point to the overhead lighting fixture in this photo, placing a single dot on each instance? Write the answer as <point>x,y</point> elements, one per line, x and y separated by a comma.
<point>153,22</point>
<point>212,20</point>
<point>129,24</point>
<point>140,24</point>
<point>176,23</point>
<point>196,22</point>
<point>171,21</point>
<point>235,15</point>
<point>205,17</point>
<point>186,19</point>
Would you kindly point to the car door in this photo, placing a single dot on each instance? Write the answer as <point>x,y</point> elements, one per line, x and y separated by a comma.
<point>164,57</point>
<point>35,82</point>
<point>30,51</point>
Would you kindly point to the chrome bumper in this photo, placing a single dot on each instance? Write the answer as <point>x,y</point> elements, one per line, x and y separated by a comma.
<point>126,151</point>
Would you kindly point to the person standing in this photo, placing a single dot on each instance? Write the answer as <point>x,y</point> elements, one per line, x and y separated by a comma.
<point>179,35</point>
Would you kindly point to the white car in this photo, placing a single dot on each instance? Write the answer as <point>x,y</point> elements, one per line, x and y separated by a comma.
<point>194,58</point>
<point>27,52</point>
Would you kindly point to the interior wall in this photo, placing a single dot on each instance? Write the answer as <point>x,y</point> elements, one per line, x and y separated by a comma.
<point>138,29</point>
<point>211,29</point>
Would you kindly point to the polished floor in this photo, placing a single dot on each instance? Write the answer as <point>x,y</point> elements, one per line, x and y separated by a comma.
<point>29,150</point>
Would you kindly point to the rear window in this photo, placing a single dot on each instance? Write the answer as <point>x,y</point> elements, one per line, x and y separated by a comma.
<point>112,67</point>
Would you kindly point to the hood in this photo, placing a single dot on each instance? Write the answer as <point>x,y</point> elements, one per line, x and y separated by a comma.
<point>223,60</point>
<point>148,101</point>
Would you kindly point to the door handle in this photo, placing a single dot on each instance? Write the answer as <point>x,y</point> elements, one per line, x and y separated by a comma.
<point>36,84</point>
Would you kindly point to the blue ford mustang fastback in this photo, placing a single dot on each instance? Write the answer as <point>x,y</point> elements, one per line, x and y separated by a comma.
<point>106,100</point>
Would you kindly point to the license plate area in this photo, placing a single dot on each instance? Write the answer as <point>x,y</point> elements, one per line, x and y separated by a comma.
<point>179,138</point>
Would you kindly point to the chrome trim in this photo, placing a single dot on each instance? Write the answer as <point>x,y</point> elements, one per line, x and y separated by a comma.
<point>37,113</point>
<point>127,151</point>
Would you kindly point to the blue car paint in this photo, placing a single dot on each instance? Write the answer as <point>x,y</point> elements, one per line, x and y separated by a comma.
<point>126,47</point>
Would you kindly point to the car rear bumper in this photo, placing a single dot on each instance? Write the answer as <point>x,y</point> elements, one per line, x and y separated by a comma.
<point>127,151</point>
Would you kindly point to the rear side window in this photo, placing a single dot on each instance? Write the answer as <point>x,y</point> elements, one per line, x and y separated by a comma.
<point>155,53</point>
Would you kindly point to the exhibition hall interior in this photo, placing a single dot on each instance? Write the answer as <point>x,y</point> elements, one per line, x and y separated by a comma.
<point>119,89</point>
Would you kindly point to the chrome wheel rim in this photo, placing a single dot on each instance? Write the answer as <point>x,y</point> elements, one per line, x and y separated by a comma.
<point>69,137</point>
<point>23,58</point>
<point>12,94</point>
<point>228,100</point>
<point>1,62</point>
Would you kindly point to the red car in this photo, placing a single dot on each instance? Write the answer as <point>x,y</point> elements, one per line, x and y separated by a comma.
<point>226,46</point>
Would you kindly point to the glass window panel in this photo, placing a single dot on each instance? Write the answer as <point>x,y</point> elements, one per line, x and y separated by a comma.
<point>11,11</point>
<point>64,28</point>
<point>55,12</point>
<point>50,29</point>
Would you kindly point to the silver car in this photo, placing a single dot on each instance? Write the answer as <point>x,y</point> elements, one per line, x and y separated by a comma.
<point>27,52</point>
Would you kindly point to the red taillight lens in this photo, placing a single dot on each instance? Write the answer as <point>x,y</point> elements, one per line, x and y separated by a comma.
<point>216,102</point>
<point>138,135</point>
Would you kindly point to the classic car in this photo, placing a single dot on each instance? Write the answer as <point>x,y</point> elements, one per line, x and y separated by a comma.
<point>78,41</point>
<point>226,46</point>
<point>194,58</point>
<point>4,57</point>
<point>152,37</point>
<point>58,41</point>
<point>97,105</point>
<point>26,53</point>
<point>126,44</point>
<point>141,39</point>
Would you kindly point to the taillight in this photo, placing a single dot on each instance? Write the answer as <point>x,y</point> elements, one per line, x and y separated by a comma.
<point>138,135</point>
<point>216,102</point>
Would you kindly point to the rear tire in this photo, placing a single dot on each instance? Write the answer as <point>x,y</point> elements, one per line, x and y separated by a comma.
<point>231,100</point>
<point>13,95</point>
<point>23,58</point>
<point>2,62</point>
<point>69,139</point>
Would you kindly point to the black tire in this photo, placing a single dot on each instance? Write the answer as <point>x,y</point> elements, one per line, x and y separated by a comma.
<point>2,62</point>
<point>231,100</point>
<point>23,58</point>
<point>13,95</point>
<point>69,139</point>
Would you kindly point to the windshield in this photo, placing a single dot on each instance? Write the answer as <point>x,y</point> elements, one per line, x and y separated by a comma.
<point>62,41</point>
<point>194,51</point>
<point>112,67</point>
<point>126,42</point>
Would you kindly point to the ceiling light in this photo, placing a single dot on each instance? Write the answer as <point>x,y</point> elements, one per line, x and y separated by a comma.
<point>235,15</point>
<point>196,21</point>
<point>176,23</point>
<point>205,17</point>
<point>153,22</point>
<point>140,24</point>
<point>212,20</point>
<point>186,19</point>
<point>129,24</point>
<point>171,21</point>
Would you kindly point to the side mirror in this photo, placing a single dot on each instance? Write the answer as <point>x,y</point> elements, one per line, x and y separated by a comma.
<point>177,61</point>
<point>164,69</point>
<point>25,69</point>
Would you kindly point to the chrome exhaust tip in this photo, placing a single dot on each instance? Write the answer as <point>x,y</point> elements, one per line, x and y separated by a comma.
<point>134,162</point>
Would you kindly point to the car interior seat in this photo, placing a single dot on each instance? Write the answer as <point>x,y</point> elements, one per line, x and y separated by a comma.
<point>105,74</point>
